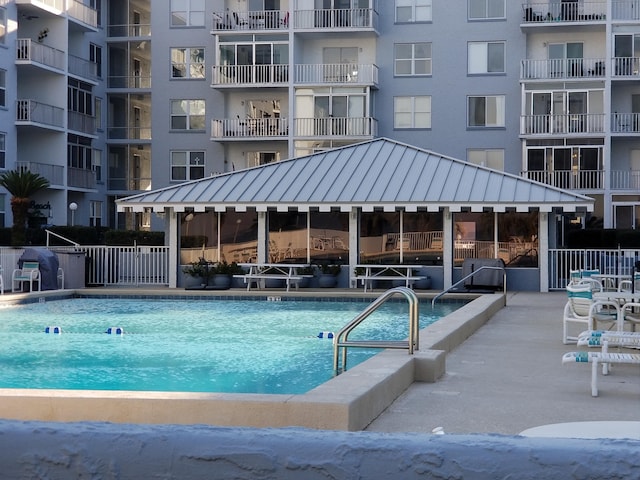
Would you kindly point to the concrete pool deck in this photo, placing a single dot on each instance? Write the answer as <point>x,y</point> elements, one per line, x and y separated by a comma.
<point>505,378</point>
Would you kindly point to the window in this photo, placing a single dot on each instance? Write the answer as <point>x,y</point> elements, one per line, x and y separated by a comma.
<point>3,88</point>
<point>79,97</point>
<point>97,108</point>
<point>486,111</point>
<point>412,59</point>
<point>79,152</point>
<point>3,25</point>
<point>492,158</point>
<point>187,13</point>
<point>95,213</point>
<point>97,164</point>
<point>3,149</point>
<point>413,10</point>
<point>481,9</point>
<point>412,112</point>
<point>187,165</point>
<point>486,57</point>
<point>95,57</point>
<point>187,114</point>
<point>187,63</point>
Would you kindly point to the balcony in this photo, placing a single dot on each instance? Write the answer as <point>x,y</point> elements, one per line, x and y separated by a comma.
<point>545,13</point>
<point>29,52</point>
<point>568,179</point>
<point>337,127</point>
<point>563,124</point>
<point>129,184</point>
<point>30,112</point>
<point>562,69</point>
<point>50,4</point>
<point>249,128</point>
<point>251,20</point>
<point>82,68</point>
<point>250,75</point>
<point>130,30</point>
<point>129,133</point>
<point>625,10</point>
<point>625,180</point>
<point>81,178</point>
<point>53,173</point>
<point>340,73</point>
<point>82,123</point>
<point>626,68</point>
<point>85,15</point>
<point>338,19</point>
<point>625,123</point>
<point>129,81</point>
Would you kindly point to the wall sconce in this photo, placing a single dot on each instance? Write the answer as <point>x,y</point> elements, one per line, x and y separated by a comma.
<point>43,34</point>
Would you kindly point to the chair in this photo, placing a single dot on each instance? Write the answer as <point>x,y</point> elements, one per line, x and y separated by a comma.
<point>30,272</point>
<point>582,309</point>
<point>631,313</point>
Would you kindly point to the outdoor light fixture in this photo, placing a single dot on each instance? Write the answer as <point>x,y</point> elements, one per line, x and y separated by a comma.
<point>73,206</point>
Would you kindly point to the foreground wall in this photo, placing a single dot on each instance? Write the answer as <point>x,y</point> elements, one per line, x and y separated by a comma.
<point>99,450</point>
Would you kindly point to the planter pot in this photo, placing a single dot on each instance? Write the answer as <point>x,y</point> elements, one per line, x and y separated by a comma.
<point>221,281</point>
<point>326,280</point>
<point>304,282</point>
<point>189,281</point>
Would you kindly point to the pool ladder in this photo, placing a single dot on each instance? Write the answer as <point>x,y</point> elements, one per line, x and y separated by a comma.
<point>341,340</point>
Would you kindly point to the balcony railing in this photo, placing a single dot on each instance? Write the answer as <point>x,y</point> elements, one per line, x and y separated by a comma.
<point>83,13</point>
<point>554,12</point>
<point>568,179</point>
<point>30,51</point>
<point>81,67</point>
<point>336,73</point>
<point>562,124</point>
<point>131,81</point>
<point>271,75</point>
<point>625,123</point>
<point>251,20</point>
<point>249,127</point>
<point>336,19</point>
<point>54,4</point>
<point>336,127</point>
<point>130,30</point>
<point>81,122</point>
<point>41,113</point>
<point>626,66</point>
<point>625,10</point>
<point>625,180</point>
<point>129,183</point>
<point>81,178</point>
<point>562,68</point>
<point>129,133</point>
<point>53,173</point>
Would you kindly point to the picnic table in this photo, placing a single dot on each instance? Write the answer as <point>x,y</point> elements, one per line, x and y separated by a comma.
<point>259,273</point>
<point>367,273</point>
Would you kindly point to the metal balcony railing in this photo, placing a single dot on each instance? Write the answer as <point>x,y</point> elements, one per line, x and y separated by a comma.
<point>81,122</point>
<point>562,68</point>
<point>130,30</point>
<point>40,113</point>
<point>271,75</point>
<point>250,20</point>
<point>130,81</point>
<point>53,173</point>
<point>554,12</point>
<point>625,180</point>
<point>81,178</point>
<point>83,13</point>
<point>81,67</point>
<point>30,51</point>
<point>336,127</point>
<point>336,19</point>
<point>131,184</point>
<point>53,4</point>
<point>568,179</point>
<point>564,124</point>
<point>249,127</point>
<point>332,73</point>
<point>129,133</point>
<point>625,10</point>
<point>626,123</point>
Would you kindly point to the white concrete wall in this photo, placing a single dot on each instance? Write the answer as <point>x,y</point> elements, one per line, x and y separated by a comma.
<point>99,450</point>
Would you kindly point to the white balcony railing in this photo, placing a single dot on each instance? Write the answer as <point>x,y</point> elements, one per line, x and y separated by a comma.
<point>81,178</point>
<point>53,4</point>
<point>625,10</point>
<point>249,127</point>
<point>130,81</point>
<point>336,73</point>
<point>336,127</point>
<point>30,51</point>
<point>250,20</point>
<point>562,68</point>
<point>271,75</point>
<point>81,67</point>
<point>568,179</point>
<point>336,19</point>
<point>129,133</point>
<point>83,13</point>
<point>553,12</point>
<point>41,113</point>
<point>53,173</point>
<point>625,123</point>
<point>626,66</point>
<point>562,124</point>
<point>130,30</point>
<point>625,180</point>
<point>81,122</point>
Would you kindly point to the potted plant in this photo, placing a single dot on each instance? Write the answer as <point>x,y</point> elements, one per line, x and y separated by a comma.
<point>221,277</point>
<point>328,277</point>
<point>199,272</point>
<point>305,281</point>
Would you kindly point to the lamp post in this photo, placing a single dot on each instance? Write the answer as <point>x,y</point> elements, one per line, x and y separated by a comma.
<point>73,206</point>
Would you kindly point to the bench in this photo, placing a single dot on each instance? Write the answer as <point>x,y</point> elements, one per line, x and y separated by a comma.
<point>367,273</point>
<point>596,358</point>
<point>260,272</point>
<point>367,279</point>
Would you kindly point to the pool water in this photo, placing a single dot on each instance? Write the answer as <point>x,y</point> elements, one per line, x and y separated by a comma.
<point>230,346</point>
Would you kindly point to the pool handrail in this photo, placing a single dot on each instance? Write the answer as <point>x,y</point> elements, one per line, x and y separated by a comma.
<point>489,267</point>
<point>341,341</point>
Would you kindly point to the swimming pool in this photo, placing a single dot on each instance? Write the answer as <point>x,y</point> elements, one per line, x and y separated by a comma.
<point>230,346</point>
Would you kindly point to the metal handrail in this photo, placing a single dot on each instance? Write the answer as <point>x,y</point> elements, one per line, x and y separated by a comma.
<point>49,232</point>
<point>341,341</point>
<point>504,281</point>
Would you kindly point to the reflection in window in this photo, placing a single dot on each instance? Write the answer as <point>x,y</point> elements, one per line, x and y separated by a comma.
<point>287,237</point>
<point>198,237</point>
<point>329,237</point>
<point>239,237</point>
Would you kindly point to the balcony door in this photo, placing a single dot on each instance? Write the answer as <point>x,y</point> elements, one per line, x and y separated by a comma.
<point>566,59</point>
<point>339,63</point>
<point>339,114</point>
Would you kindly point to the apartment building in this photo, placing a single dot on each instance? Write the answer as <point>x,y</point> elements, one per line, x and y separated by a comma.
<point>546,90</point>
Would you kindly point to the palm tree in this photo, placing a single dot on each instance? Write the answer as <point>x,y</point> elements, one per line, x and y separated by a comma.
<point>21,184</point>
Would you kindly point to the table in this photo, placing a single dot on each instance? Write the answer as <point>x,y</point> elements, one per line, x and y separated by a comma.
<point>259,272</point>
<point>385,272</point>
<point>615,279</point>
<point>595,429</point>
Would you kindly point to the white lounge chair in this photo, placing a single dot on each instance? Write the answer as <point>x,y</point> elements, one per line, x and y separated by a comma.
<point>596,358</point>
<point>582,309</point>
<point>30,272</point>
<point>606,338</point>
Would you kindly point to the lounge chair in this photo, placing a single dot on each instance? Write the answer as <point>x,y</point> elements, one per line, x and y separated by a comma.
<point>596,358</point>
<point>604,339</point>
<point>30,272</point>
<point>582,309</point>
<point>631,313</point>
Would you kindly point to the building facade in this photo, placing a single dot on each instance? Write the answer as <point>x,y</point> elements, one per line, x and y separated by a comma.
<point>545,90</point>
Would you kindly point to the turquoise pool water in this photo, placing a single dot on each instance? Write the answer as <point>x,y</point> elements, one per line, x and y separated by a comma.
<point>228,346</point>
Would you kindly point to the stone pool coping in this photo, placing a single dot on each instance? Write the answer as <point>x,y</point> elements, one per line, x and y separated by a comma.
<point>348,402</point>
